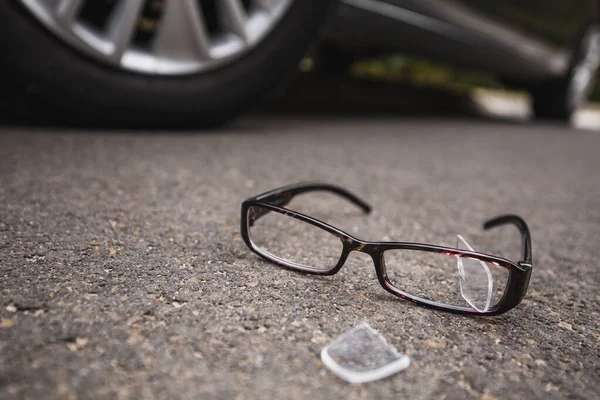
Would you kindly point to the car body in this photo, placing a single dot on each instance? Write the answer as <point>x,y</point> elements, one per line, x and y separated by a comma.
<point>202,62</point>
<point>521,40</point>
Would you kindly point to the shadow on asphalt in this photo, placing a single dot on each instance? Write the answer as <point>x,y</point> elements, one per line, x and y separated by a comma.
<point>323,97</point>
<point>310,96</point>
<point>504,320</point>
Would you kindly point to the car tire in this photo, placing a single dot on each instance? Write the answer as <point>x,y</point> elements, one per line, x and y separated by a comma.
<point>47,82</point>
<point>559,99</point>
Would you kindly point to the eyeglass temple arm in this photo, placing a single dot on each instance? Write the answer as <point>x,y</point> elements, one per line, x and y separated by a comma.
<point>519,223</point>
<point>287,193</point>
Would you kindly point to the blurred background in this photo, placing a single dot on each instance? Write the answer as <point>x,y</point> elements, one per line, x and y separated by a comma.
<point>202,63</point>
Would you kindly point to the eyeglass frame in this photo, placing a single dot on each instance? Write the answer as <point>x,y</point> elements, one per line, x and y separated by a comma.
<point>275,200</point>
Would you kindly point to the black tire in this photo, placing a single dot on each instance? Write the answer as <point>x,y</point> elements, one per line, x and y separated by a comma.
<point>551,99</point>
<point>47,82</point>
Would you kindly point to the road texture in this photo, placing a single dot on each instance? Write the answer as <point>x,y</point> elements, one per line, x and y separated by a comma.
<point>123,274</point>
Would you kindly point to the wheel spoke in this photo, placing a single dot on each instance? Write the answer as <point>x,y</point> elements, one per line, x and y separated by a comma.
<point>267,5</point>
<point>181,31</point>
<point>234,16</point>
<point>67,11</point>
<point>123,24</point>
<point>163,37</point>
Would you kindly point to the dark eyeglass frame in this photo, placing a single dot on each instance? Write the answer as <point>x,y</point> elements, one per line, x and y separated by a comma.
<point>275,200</point>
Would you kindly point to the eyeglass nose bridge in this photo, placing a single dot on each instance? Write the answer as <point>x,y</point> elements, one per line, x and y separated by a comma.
<point>358,246</point>
<point>363,247</point>
<point>375,251</point>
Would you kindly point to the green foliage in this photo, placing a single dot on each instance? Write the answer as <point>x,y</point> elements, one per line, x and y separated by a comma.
<point>419,72</point>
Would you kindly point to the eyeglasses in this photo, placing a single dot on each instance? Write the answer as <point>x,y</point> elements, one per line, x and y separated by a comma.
<point>458,280</point>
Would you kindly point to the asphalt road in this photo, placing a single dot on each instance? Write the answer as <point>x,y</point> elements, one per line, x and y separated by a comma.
<point>124,274</point>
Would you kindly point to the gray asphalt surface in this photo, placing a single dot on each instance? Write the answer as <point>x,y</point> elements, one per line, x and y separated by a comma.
<point>124,274</point>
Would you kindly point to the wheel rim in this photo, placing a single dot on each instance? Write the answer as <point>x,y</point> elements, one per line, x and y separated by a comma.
<point>163,37</point>
<point>583,76</point>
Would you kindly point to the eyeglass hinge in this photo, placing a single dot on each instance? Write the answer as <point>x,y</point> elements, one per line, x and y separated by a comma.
<point>524,266</point>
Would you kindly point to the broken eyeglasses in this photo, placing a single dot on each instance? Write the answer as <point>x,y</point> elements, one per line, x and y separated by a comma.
<point>457,279</point>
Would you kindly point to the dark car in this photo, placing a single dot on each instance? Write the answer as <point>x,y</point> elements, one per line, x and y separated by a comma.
<point>202,62</point>
<point>549,47</point>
